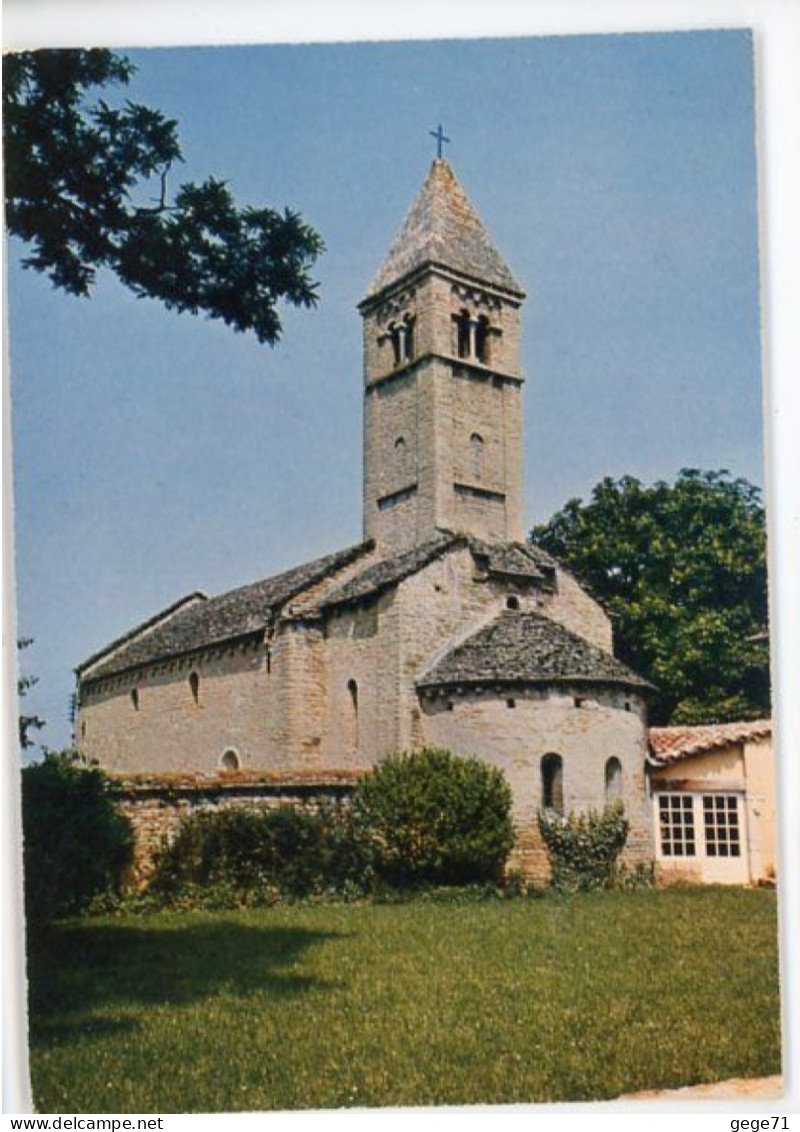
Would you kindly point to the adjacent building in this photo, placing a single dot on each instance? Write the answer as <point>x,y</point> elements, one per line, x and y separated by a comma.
<point>714,803</point>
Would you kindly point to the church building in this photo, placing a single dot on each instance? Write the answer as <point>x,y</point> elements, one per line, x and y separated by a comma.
<point>442,628</point>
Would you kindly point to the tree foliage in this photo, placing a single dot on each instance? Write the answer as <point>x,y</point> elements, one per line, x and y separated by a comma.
<point>77,169</point>
<point>432,818</point>
<point>75,842</point>
<point>681,568</point>
<point>27,722</point>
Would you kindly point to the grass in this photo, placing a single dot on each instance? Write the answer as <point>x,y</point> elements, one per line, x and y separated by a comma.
<point>324,1006</point>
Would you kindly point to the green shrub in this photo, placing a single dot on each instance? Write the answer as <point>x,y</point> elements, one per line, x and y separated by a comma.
<point>430,818</point>
<point>246,856</point>
<point>76,844</point>
<point>627,878</point>
<point>583,848</point>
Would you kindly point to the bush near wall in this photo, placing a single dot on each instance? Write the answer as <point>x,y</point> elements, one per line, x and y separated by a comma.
<point>431,818</point>
<point>247,856</point>
<point>417,820</point>
<point>76,844</point>
<point>583,848</point>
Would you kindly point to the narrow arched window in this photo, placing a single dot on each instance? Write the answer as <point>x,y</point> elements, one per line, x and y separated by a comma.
<point>135,698</point>
<point>408,338</point>
<point>230,760</point>
<point>396,334</point>
<point>464,334</point>
<point>512,602</point>
<point>352,689</point>
<point>482,339</point>
<point>553,783</point>
<point>476,455</point>
<point>194,685</point>
<point>613,780</point>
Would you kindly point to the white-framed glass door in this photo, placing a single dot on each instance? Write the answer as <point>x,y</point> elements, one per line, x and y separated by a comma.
<point>702,833</point>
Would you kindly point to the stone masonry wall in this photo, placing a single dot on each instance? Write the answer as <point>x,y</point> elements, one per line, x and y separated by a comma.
<point>250,700</point>
<point>361,694</point>
<point>573,608</point>
<point>157,805</point>
<point>286,704</point>
<point>150,720</point>
<point>513,730</point>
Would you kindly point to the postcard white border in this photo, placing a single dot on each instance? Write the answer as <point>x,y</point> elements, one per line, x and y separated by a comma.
<point>776,23</point>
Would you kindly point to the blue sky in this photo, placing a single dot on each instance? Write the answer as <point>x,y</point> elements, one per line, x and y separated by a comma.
<point>155,454</point>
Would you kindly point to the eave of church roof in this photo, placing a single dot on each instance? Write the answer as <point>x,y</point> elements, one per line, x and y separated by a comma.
<point>387,572</point>
<point>527,648</point>
<point>197,623</point>
<point>509,560</point>
<point>514,560</point>
<point>443,229</point>
<point>142,628</point>
<point>239,613</point>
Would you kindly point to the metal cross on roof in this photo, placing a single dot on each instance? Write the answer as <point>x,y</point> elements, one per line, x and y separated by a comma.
<point>440,139</point>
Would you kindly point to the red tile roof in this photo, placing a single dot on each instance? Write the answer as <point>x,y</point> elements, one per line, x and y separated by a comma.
<point>668,744</point>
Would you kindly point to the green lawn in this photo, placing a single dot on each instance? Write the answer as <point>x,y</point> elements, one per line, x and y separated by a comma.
<point>418,1004</point>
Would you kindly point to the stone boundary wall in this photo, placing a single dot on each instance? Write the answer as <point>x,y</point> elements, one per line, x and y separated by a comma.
<point>156,805</point>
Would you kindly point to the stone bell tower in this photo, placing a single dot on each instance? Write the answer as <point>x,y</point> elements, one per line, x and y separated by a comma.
<point>442,379</point>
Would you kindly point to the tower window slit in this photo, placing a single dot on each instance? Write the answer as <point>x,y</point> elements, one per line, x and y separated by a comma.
<point>400,456</point>
<point>408,338</point>
<point>395,333</point>
<point>476,455</point>
<point>352,688</point>
<point>482,339</point>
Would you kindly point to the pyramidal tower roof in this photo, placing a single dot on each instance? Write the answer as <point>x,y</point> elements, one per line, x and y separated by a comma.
<point>444,229</point>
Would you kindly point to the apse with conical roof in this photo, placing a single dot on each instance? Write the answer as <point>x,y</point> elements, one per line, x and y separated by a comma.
<point>442,379</point>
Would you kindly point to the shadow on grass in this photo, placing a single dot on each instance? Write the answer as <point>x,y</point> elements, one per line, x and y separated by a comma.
<point>78,974</point>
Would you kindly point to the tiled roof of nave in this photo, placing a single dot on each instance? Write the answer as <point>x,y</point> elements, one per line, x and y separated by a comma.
<point>238,613</point>
<point>205,622</point>
<point>509,560</point>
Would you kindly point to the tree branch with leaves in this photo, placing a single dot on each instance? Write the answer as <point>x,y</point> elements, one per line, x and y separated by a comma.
<point>76,168</point>
<point>27,723</point>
